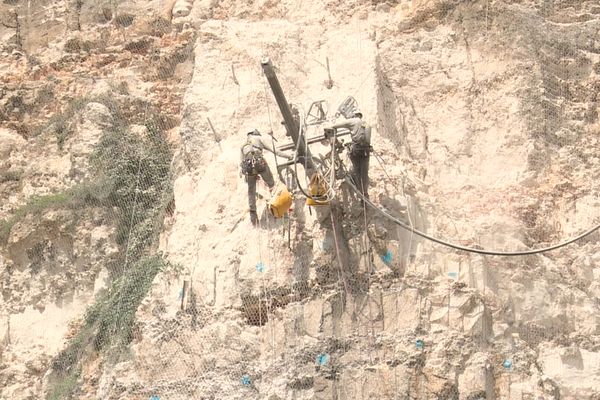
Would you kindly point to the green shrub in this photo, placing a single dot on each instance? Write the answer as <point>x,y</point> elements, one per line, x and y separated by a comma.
<point>113,315</point>
<point>5,227</point>
<point>80,196</point>
<point>132,179</point>
<point>108,323</point>
<point>36,205</point>
<point>62,124</point>
<point>67,359</point>
<point>11,176</point>
<point>65,387</point>
<point>137,171</point>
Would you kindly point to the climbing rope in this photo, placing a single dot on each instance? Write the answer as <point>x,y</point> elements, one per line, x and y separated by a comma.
<point>296,167</point>
<point>260,268</point>
<point>381,164</point>
<point>270,258</point>
<point>271,126</point>
<point>367,244</point>
<point>408,206</point>
<point>338,254</point>
<point>465,248</point>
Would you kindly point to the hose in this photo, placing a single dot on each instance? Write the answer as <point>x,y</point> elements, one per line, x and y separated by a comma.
<point>465,248</point>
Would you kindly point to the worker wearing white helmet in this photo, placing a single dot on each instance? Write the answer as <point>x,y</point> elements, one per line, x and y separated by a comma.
<point>253,164</point>
<point>359,150</point>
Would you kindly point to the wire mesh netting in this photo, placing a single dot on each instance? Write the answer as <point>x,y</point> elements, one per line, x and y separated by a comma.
<point>129,264</point>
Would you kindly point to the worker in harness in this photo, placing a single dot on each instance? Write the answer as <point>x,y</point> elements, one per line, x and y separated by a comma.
<point>359,149</point>
<point>253,164</point>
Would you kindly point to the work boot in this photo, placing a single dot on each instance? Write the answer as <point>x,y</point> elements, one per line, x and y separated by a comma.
<point>253,218</point>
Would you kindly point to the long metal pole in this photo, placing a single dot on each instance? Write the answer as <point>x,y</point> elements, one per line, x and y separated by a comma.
<point>291,123</point>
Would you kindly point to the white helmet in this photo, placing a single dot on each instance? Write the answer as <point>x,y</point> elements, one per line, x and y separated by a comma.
<point>357,112</point>
<point>254,132</point>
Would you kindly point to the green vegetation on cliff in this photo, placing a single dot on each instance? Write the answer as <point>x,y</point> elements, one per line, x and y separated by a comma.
<point>131,180</point>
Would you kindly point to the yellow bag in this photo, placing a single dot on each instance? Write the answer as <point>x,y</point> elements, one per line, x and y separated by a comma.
<point>316,188</point>
<point>281,201</point>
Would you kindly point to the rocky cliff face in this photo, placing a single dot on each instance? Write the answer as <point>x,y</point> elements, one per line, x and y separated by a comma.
<point>78,115</point>
<point>485,119</point>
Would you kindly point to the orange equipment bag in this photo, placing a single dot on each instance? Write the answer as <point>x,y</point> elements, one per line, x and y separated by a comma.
<point>281,201</point>
<point>316,189</point>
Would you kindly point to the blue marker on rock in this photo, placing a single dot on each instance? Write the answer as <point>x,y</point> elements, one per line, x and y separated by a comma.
<point>387,257</point>
<point>420,344</point>
<point>260,267</point>
<point>246,380</point>
<point>507,364</point>
<point>322,359</point>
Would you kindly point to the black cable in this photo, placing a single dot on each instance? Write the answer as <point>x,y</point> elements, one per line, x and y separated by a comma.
<point>296,171</point>
<point>314,198</point>
<point>464,248</point>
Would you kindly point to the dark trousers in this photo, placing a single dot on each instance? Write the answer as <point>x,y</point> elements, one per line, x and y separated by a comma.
<point>360,172</point>
<point>266,176</point>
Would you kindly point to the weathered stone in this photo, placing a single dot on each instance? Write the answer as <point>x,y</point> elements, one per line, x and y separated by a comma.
<point>576,371</point>
<point>313,317</point>
<point>477,380</point>
<point>401,311</point>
